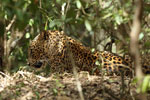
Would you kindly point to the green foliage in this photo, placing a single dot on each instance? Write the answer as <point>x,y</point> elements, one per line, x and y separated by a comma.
<point>88,25</point>
<point>141,36</point>
<point>145,86</point>
<point>78,3</point>
<point>58,86</point>
<point>37,95</point>
<point>55,91</point>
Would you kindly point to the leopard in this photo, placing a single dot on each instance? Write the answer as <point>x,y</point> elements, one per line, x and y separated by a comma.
<point>144,62</point>
<point>52,47</point>
<point>56,49</point>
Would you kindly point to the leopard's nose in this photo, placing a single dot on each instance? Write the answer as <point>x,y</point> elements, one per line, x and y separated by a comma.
<point>38,64</point>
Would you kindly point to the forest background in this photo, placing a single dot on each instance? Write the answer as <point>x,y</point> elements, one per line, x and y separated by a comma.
<point>99,24</point>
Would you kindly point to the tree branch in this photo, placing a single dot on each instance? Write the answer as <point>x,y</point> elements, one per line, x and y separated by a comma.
<point>10,24</point>
<point>134,45</point>
<point>134,35</point>
<point>16,42</point>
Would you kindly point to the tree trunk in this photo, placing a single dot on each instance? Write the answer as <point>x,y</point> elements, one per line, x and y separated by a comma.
<point>1,45</point>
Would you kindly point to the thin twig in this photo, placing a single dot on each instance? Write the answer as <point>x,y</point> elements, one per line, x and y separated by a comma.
<point>75,74</point>
<point>10,24</point>
<point>67,7</point>
<point>40,4</point>
<point>5,75</point>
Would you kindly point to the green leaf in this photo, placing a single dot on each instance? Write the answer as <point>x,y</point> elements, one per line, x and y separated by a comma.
<point>106,16</point>
<point>21,52</point>
<point>31,22</point>
<point>93,50</point>
<point>118,19</point>
<point>46,26</point>
<point>63,17</point>
<point>37,95</point>
<point>134,81</point>
<point>27,35</point>
<point>5,16</point>
<point>78,4</point>
<point>145,84</point>
<point>8,33</point>
<point>107,4</point>
<point>97,63</point>
<point>55,91</point>
<point>147,44</point>
<point>88,25</point>
<point>52,24</point>
<point>141,36</point>
<point>58,1</point>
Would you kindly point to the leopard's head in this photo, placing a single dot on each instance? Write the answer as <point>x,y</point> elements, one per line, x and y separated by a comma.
<point>36,51</point>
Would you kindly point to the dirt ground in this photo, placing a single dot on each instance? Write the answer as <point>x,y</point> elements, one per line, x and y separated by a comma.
<point>25,85</point>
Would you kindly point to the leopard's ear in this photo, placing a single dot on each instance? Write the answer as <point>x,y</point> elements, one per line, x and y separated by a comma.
<point>45,35</point>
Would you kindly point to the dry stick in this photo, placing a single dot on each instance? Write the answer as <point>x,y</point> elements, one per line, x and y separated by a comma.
<point>134,35</point>
<point>75,74</point>
<point>5,75</point>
